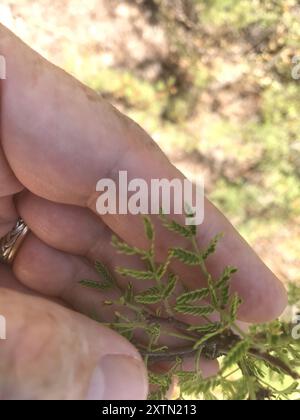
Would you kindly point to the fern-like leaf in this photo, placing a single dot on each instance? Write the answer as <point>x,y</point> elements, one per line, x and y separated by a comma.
<point>193,296</point>
<point>170,287</point>
<point>93,285</point>
<point>149,228</point>
<point>129,293</point>
<point>173,226</point>
<point>212,246</point>
<point>234,307</point>
<point>187,257</point>
<point>124,248</point>
<point>105,273</point>
<point>206,328</point>
<point>194,310</point>
<point>150,296</point>
<point>212,292</point>
<point>136,274</point>
<point>225,277</point>
<point>236,354</point>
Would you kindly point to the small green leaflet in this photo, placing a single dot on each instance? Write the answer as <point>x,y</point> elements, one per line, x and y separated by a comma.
<point>170,287</point>
<point>187,257</point>
<point>149,229</point>
<point>235,304</point>
<point>236,354</point>
<point>108,281</point>
<point>129,293</point>
<point>194,310</point>
<point>192,384</point>
<point>157,294</point>
<point>193,296</point>
<point>223,285</point>
<point>157,379</point>
<point>163,268</point>
<point>206,328</point>
<point>225,295</point>
<point>212,292</point>
<point>212,246</point>
<point>150,296</point>
<point>124,248</point>
<point>93,284</point>
<point>105,273</point>
<point>136,274</point>
<point>225,276</point>
<point>172,226</point>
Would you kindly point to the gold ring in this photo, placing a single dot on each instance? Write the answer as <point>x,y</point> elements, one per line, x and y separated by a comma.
<point>10,244</point>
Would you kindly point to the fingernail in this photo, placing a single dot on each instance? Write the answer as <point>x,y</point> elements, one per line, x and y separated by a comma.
<point>118,377</point>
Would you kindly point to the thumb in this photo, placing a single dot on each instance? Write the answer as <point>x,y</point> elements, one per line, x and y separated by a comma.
<point>53,353</point>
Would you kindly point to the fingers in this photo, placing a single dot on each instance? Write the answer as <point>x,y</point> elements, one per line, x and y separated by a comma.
<point>9,185</point>
<point>9,281</point>
<point>71,172</point>
<point>42,363</point>
<point>58,274</point>
<point>8,215</point>
<point>77,231</point>
<point>78,139</point>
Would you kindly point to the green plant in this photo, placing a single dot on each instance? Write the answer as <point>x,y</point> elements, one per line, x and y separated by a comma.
<point>251,363</point>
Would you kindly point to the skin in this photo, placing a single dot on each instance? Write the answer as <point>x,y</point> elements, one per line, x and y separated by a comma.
<point>58,138</point>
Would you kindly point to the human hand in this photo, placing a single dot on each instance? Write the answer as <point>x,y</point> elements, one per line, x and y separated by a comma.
<point>58,139</point>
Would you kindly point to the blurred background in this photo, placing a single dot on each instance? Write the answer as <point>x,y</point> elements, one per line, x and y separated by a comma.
<point>211,80</point>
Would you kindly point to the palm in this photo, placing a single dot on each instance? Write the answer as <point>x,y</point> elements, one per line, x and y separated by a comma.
<point>58,140</point>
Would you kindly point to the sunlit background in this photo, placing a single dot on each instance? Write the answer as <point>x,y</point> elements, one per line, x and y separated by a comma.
<point>212,82</point>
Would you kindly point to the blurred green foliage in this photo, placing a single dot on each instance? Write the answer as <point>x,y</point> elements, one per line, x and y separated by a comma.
<point>253,152</point>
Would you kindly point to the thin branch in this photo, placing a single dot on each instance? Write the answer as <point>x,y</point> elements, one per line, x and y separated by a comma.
<point>276,362</point>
